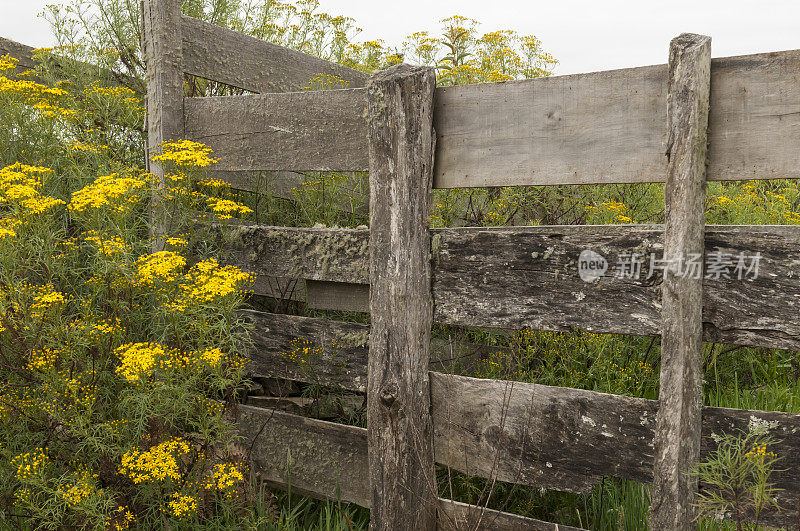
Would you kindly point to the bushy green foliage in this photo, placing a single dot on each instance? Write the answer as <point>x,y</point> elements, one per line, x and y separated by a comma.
<point>116,362</point>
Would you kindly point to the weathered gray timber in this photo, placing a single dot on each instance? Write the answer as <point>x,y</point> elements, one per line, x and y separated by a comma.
<point>552,437</point>
<point>475,270</point>
<point>337,354</point>
<point>316,130</point>
<point>604,127</point>
<point>162,50</point>
<point>233,58</point>
<point>401,141</point>
<point>608,127</point>
<point>19,51</point>
<point>677,438</point>
<point>328,460</point>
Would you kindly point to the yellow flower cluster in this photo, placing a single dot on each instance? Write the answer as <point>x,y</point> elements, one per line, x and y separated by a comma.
<point>108,246</point>
<point>137,360</point>
<point>175,359</point>
<point>84,147</point>
<point>612,212</point>
<point>45,300</point>
<point>185,153</point>
<point>177,243</point>
<point>20,186</point>
<point>162,266</point>
<point>225,208</point>
<point>207,282</point>
<point>8,63</point>
<point>303,351</point>
<point>41,97</point>
<point>159,463</point>
<point>43,359</point>
<point>759,451</point>
<point>115,192</point>
<point>210,356</point>
<point>224,477</point>
<point>122,520</point>
<point>123,95</point>
<point>82,488</point>
<point>29,464</point>
<point>182,506</point>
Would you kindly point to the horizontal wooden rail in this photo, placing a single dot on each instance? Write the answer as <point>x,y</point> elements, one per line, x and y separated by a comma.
<point>604,127</point>
<point>550,437</point>
<point>328,460</point>
<point>233,58</point>
<point>318,130</point>
<point>22,52</point>
<point>528,277</point>
<point>337,354</point>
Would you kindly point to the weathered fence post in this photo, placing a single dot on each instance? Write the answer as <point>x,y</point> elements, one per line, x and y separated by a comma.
<point>678,428</point>
<point>402,474</point>
<point>162,47</point>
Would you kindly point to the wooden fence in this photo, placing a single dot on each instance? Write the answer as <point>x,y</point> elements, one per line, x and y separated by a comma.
<point>692,120</point>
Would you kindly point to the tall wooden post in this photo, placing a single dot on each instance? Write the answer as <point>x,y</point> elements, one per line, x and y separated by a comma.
<point>678,426</point>
<point>399,429</point>
<point>162,47</point>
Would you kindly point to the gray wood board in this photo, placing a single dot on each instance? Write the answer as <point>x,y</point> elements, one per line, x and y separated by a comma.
<point>610,127</point>
<point>316,130</point>
<point>550,437</point>
<point>603,127</point>
<point>677,438</point>
<point>233,58</point>
<point>528,277</point>
<point>337,350</point>
<point>328,460</point>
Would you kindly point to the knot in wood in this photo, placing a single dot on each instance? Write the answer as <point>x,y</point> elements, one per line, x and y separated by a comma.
<point>389,394</point>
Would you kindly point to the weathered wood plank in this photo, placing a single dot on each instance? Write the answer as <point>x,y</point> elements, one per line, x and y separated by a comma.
<point>337,350</point>
<point>337,354</point>
<point>609,126</point>
<point>399,431</point>
<point>528,277</point>
<point>604,127</point>
<point>162,51</point>
<point>17,50</point>
<point>521,432</point>
<point>327,460</point>
<point>458,516</point>
<point>246,62</point>
<point>677,437</point>
<point>315,130</point>
<point>567,439</point>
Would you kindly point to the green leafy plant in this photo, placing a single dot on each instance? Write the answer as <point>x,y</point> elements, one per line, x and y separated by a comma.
<point>735,478</point>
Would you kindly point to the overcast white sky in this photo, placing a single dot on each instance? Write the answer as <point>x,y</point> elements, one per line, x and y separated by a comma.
<point>583,35</point>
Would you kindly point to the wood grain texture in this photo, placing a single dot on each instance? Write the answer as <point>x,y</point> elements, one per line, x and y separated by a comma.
<point>17,50</point>
<point>603,127</point>
<point>316,130</point>
<point>677,437</point>
<point>568,439</point>
<point>528,277</point>
<point>522,432</point>
<point>402,474</point>
<point>609,126</point>
<point>328,460</point>
<point>246,62</point>
<point>337,355</point>
<point>162,51</point>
